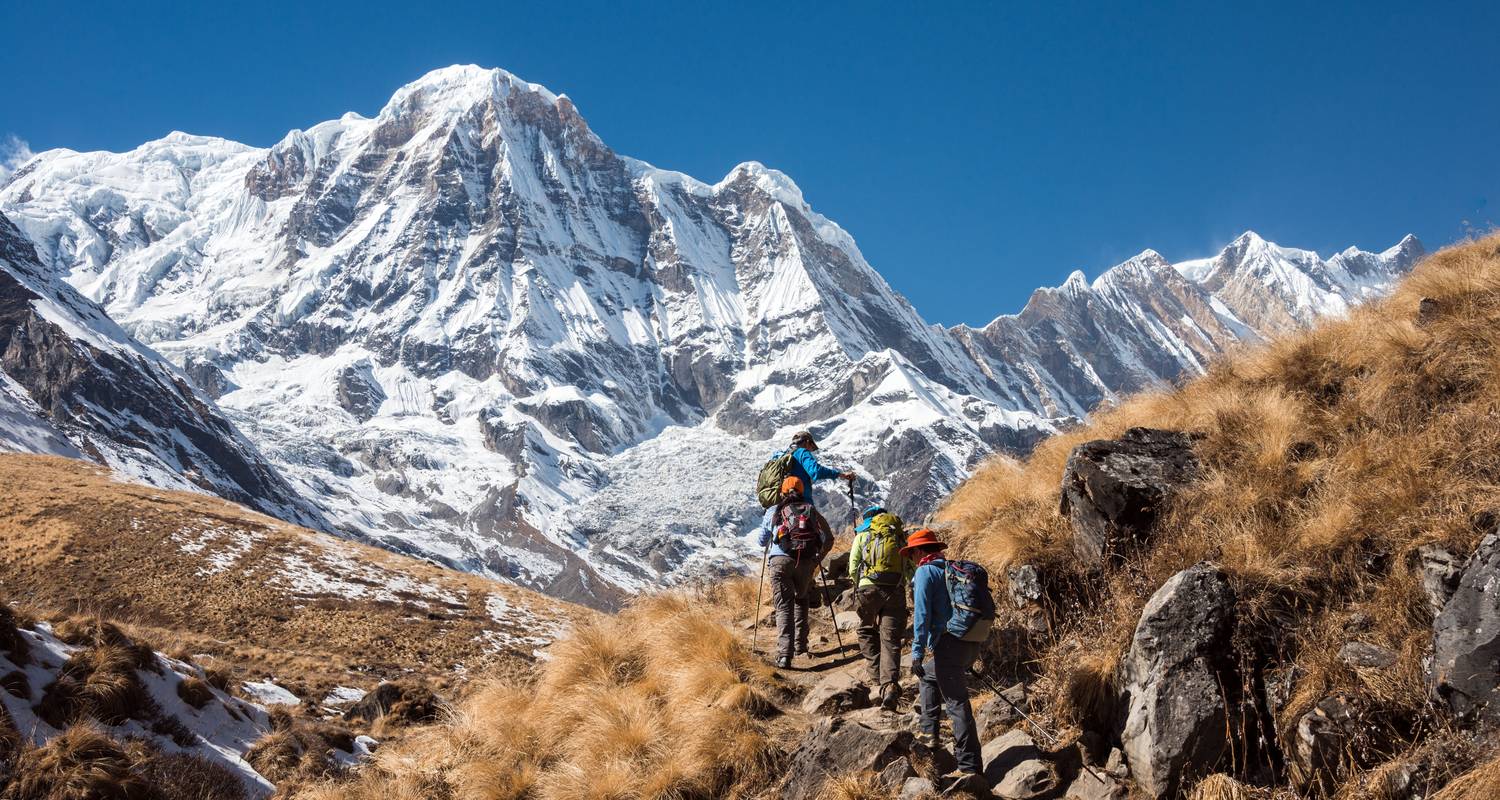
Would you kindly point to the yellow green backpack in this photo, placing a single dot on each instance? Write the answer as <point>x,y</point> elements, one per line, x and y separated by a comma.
<point>881,558</point>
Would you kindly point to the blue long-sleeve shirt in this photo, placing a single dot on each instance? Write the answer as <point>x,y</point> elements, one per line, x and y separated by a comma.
<point>768,533</point>
<point>931,607</point>
<point>806,467</point>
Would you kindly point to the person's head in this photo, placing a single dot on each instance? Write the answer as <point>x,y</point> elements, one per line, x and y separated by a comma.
<point>791,486</point>
<point>804,439</point>
<point>921,544</point>
<point>869,514</point>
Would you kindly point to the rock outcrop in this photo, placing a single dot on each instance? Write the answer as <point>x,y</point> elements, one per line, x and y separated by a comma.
<point>1174,677</point>
<point>840,746</point>
<point>1114,490</point>
<point>1466,637</point>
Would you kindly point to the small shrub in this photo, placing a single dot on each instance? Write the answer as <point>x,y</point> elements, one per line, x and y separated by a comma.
<point>96,632</point>
<point>184,776</point>
<point>221,678</point>
<point>98,682</point>
<point>16,684</point>
<point>82,762</point>
<point>17,650</point>
<point>195,692</point>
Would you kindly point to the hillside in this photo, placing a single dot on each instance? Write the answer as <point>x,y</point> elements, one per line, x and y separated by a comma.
<point>266,600</point>
<point>1264,631</point>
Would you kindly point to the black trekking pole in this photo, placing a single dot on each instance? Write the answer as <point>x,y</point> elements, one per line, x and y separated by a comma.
<point>759,586</point>
<point>975,673</point>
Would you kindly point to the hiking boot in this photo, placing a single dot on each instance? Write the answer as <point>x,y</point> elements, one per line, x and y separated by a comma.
<point>802,651</point>
<point>784,662</point>
<point>959,780</point>
<point>890,698</point>
<point>927,740</point>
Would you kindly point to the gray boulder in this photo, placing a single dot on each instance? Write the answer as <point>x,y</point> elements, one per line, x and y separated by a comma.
<point>1363,655</point>
<point>1175,719</point>
<point>1466,638</point>
<point>1324,745</point>
<point>1017,768</point>
<point>839,746</point>
<point>1441,572</point>
<point>1114,490</point>
<point>837,693</point>
<point>917,789</point>
<point>896,774</point>
<point>995,716</point>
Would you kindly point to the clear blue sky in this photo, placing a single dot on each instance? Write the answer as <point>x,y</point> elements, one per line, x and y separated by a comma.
<point>975,151</point>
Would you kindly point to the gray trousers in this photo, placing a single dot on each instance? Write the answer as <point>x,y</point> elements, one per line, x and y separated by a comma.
<point>791,578</point>
<point>947,683</point>
<point>882,620</point>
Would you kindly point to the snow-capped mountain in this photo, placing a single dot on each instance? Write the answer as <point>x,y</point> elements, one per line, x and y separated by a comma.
<point>72,383</point>
<point>468,329</point>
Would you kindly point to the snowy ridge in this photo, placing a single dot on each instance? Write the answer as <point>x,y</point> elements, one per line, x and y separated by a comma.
<point>472,332</point>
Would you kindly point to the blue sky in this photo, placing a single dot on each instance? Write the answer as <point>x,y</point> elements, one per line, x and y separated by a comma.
<point>975,150</point>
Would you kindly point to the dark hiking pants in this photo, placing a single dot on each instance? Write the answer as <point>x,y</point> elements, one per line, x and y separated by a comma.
<point>947,683</point>
<point>791,578</point>
<point>882,620</point>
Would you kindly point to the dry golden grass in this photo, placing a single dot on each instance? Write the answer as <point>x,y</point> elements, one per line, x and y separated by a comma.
<point>662,701</point>
<point>1480,783</point>
<point>74,543</point>
<point>85,763</point>
<point>1329,458</point>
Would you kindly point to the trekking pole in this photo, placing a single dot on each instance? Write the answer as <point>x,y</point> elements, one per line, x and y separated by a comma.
<point>759,586</point>
<point>827,601</point>
<point>853,509</point>
<point>975,673</point>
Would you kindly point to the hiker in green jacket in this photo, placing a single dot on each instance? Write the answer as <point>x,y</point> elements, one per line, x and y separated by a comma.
<point>880,573</point>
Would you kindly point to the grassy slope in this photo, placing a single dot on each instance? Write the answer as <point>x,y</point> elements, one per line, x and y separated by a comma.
<point>74,541</point>
<point>1331,457</point>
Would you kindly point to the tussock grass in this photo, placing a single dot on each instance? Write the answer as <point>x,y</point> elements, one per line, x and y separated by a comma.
<point>195,692</point>
<point>1329,457</point>
<point>100,683</point>
<point>662,701</point>
<point>85,763</point>
<point>1480,783</point>
<point>15,647</point>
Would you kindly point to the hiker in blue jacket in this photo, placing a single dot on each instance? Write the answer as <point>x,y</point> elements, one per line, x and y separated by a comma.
<point>943,680</point>
<point>805,466</point>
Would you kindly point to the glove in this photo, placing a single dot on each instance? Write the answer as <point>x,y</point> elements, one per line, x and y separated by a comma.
<point>848,476</point>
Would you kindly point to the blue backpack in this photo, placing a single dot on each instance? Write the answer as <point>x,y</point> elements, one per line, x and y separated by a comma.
<point>973,605</point>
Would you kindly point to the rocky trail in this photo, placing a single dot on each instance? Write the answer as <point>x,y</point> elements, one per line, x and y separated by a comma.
<point>837,733</point>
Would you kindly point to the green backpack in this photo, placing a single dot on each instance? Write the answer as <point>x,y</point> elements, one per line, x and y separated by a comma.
<point>881,558</point>
<point>768,483</point>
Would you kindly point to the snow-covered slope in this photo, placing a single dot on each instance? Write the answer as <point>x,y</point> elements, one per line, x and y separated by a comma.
<point>72,383</point>
<point>470,330</point>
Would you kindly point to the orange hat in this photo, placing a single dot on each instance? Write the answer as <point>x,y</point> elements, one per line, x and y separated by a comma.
<point>791,483</point>
<point>919,538</point>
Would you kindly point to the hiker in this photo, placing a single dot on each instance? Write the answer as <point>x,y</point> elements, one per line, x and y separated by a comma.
<point>943,679</point>
<point>798,538</point>
<point>805,467</point>
<point>880,572</point>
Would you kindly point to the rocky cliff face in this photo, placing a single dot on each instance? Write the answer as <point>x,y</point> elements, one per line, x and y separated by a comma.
<point>468,329</point>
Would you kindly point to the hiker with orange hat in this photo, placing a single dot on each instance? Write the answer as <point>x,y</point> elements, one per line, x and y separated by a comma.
<point>943,680</point>
<point>798,537</point>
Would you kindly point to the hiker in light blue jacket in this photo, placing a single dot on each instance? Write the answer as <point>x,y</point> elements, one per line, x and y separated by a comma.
<point>944,681</point>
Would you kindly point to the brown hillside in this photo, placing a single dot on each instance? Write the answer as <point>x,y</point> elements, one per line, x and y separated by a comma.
<point>1330,457</point>
<point>200,575</point>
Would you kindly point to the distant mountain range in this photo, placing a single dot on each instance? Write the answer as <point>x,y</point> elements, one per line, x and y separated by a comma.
<point>466,329</point>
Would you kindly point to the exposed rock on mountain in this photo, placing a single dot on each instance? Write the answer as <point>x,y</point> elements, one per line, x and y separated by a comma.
<point>471,331</point>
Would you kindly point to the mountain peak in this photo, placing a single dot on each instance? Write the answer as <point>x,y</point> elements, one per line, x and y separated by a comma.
<point>773,182</point>
<point>461,86</point>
